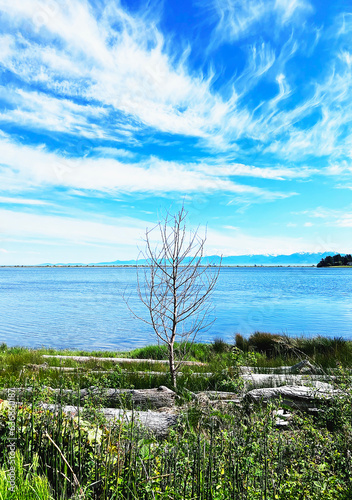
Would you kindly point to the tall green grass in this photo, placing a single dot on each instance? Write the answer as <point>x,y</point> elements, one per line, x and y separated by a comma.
<point>29,485</point>
<point>218,454</point>
<point>211,455</point>
<point>275,349</point>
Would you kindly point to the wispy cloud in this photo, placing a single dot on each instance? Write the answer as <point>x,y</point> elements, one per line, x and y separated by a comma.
<point>330,217</point>
<point>39,111</point>
<point>345,220</point>
<point>22,201</point>
<point>242,243</point>
<point>80,231</point>
<point>122,64</point>
<point>33,167</point>
<point>235,18</point>
<point>275,173</point>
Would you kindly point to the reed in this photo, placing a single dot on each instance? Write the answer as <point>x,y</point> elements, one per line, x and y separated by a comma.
<point>217,454</point>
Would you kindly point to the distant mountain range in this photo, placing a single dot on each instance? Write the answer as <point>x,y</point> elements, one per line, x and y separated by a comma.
<point>295,259</point>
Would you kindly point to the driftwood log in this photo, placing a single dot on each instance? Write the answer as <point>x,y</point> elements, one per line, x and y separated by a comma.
<point>256,380</point>
<point>162,397</point>
<point>295,396</point>
<point>159,423</point>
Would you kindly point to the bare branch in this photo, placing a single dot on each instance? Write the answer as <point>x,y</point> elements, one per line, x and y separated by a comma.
<point>176,287</point>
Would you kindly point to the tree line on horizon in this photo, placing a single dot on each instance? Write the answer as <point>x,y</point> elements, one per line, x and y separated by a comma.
<point>336,260</point>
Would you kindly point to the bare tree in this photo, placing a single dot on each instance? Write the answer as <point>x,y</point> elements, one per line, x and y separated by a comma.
<point>176,285</point>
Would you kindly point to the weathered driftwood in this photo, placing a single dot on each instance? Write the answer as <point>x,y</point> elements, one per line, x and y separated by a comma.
<point>120,360</point>
<point>159,423</point>
<point>219,395</point>
<point>276,380</point>
<point>295,396</point>
<point>162,397</point>
<point>303,367</point>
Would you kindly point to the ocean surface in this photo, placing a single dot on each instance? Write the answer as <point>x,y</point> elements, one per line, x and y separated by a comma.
<point>84,308</point>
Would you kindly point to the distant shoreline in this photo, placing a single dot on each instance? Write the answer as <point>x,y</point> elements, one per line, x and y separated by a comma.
<point>143,265</point>
<point>124,266</point>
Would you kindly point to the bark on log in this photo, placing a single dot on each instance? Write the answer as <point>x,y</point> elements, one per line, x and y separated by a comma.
<point>162,397</point>
<point>295,396</point>
<point>158,423</point>
<point>276,380</point>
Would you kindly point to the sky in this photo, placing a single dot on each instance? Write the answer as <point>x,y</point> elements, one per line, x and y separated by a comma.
<point>113,112</point>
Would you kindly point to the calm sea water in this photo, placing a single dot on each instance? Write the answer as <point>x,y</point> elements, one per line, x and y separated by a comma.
<point>83,308</point>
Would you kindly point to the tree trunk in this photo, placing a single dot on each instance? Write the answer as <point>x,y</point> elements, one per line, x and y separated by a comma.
<point>172,364</point>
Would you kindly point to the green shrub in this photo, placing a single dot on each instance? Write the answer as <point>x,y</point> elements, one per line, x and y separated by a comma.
<point>241,342</point>
<point>267,343</point>
<point>219,346</point>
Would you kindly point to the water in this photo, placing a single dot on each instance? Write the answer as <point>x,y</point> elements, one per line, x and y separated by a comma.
<point>83,308</point>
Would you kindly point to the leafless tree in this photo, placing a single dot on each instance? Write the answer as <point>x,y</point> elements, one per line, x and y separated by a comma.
<point>176,285</point>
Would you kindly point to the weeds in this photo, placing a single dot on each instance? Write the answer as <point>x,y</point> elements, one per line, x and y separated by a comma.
<point>214,453</point>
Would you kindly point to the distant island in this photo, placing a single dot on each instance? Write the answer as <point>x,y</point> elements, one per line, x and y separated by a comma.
<point>336,260</point>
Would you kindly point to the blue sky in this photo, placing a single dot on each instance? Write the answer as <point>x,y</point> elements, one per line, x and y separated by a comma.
<point>111,112</point>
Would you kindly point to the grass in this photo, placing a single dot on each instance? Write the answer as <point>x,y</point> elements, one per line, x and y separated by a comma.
<point>28,485</point>
<point>211,455</point>
<point>276,350</point>
<point>214,453</point>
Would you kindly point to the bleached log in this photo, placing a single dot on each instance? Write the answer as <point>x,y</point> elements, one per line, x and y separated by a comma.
<point>159,423</point>
<point>295,396</point>
<point>143,398</point>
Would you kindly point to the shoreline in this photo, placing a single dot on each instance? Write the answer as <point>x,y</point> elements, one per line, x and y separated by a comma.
<point>85,266</point>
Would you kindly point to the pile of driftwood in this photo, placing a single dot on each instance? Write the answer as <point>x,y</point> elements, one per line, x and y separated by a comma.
<point>298,387</point>
<point>156,409</point>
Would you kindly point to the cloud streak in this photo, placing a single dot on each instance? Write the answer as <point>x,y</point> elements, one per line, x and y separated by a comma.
<point>34,167</point>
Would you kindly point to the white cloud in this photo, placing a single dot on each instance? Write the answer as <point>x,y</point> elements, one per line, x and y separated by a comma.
<point>28,167</point>
<point>275,173</point>
<point>330,217</point>
<point>22,201</point>
<point>39,111</point>
<point>289,8</point>
<point>124,63</point>
<point>126,67</point>
<point>78,231</point>
<point>236,18</point>
<point>242,244</point>
<point>123,66</point>
<point>126,233</point>
<point>345,220</point>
